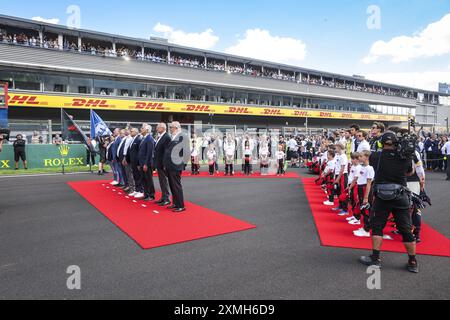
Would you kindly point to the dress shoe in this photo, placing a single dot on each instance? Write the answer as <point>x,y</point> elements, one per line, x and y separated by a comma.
<point>165,203</point>
<point>126,189</point>
<point>179,210</point>
<point>148,199</point>
<point>172,207</point>
<point>160,201</point>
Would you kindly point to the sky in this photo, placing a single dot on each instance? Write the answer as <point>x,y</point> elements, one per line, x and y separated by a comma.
<point>404,42</point>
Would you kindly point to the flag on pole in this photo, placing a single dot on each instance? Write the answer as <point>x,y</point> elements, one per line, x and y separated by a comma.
<point>70,131</point>
<point>98,126</point>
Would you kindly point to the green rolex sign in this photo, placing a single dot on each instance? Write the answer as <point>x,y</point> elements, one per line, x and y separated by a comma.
<point>46,156</point>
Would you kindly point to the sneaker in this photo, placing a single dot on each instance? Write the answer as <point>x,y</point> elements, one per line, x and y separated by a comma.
<point>336,209</point>
<point>328,203</point>
<point>139,195</point>
<point>351,218</point>
<point>412,267</point>
<point>361,233</point>
<point>343,213</point>
<point>355,222</point>
<point>369,261</point>
<point>133,194</point>
<point>386,237</point>
<point>114,183</point>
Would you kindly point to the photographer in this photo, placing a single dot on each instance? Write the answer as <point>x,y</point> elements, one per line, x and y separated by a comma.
<point>19,152</point>
<point>392,166</point>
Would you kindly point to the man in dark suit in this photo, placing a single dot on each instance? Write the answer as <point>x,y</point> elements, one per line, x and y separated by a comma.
<point>133,160</point>
<point>173,161</point>
<point>118,178</point>
<point>162,143</point>
<point>145,156</point>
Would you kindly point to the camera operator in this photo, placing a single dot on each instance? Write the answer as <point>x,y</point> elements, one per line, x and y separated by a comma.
<point>19,152</point>
<point>391,196</point>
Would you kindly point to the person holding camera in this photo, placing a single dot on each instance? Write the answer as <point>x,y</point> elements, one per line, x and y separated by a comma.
<point>19,152</point>
<point>392,168</point>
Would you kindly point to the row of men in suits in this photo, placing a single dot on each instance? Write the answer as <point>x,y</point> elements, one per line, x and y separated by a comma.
<point>134,157</point>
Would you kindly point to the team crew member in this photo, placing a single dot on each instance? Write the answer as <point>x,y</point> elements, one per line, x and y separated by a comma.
<point>328,174</point>
<point>416,184</point>
<point>102,148</point>
<point>353,176</point>
<point>264,159</point>
<point>365,180</point>
<point>378,129</point>
<point>391,196</point>
<point>281,158</point>
<point>341,179</point>
<point>112,152</point>
<point>354,128</point>
<point>19,152</point>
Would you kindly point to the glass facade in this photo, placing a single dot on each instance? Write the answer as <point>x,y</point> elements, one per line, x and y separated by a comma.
<point>97,86</point>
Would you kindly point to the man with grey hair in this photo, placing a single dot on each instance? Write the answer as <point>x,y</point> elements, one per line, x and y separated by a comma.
<point>173,161</point>
<point>162,143</point>
<point>146,150</point>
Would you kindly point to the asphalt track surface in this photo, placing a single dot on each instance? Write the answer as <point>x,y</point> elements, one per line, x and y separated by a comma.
<point>45,227</point>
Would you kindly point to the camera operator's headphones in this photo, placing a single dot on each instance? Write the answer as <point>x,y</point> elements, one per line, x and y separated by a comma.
<point>389,136</point>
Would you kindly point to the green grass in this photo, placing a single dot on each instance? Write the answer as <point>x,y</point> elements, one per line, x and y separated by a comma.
<point>49,170</point>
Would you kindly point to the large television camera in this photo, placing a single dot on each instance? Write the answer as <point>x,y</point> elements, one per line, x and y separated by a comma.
<point>4,134</point>
<point>407,144</point>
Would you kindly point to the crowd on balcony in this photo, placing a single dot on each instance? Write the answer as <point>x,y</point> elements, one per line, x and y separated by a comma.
<point>193,62</point>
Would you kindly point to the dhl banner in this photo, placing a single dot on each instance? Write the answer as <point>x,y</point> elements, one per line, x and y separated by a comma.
<point>73,102</point>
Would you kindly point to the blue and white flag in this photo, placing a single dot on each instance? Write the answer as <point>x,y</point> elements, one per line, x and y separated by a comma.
<point>98,126</point>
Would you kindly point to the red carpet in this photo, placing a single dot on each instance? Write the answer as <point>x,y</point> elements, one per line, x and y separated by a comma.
<point>152,229</point>
<point>205,174</point>
<point>334,231</point>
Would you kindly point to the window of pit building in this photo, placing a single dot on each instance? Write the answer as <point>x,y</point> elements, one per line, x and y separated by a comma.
<point>81,85</point>
<point>178,92</point>
<point>213,95</point>
<point>104,87</point>
<point>198,94</point>
<point>252,70</point>
<point>55,83</point>
<point>253,98</point>
<point>226,96</point>
<point>240,97</point>
<point>235,67</point>
<point>298,102</point>
<point>216,64</point>
<point>70,43</point>
<point>7,77</point>
<point>265,100</point>
<point>277,101</point>
<point>27,81</point>
<point>50,40</point>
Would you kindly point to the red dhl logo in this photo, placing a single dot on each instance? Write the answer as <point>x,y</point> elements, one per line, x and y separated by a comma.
<point>347,115</point>
<point>90,103</point>
<point>326,114</point>
<point>149,106</point>
<point>238,110</point>
<point>273,112</point>
<point>365,116</point>
<point>301,113</point>
<point>199,108</point>
<point>23,100</point>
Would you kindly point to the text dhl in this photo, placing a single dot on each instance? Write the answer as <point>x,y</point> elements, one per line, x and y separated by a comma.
<point>149,106</point>
<point>90,103</point>
<point>66,162</point>
<point>23,100</point>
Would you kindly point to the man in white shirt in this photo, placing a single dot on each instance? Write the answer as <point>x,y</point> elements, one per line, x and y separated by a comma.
<point>128,140</point>
<point>363,145</point>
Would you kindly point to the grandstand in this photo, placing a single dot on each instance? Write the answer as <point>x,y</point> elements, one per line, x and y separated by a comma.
<point>48,67</point>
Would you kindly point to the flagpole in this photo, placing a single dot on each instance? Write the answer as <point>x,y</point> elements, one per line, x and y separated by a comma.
<point>62,136</point>
<point>89,147</point>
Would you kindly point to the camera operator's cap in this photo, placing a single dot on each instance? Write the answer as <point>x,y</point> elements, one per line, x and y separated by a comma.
<point>389,136</point>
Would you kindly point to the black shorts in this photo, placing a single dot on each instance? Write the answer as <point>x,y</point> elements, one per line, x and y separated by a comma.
<point>400,211</point>
<point>20,155</point>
